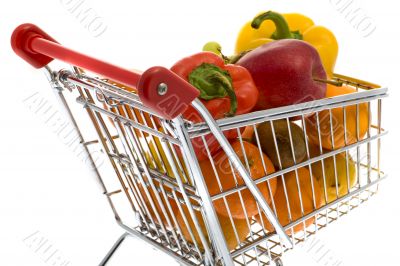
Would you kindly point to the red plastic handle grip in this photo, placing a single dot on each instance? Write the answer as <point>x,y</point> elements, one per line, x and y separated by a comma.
<point>20,42</point>
<point>37,48</point>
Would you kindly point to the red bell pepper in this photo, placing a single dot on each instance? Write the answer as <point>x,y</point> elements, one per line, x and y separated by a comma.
<point>225,90</point>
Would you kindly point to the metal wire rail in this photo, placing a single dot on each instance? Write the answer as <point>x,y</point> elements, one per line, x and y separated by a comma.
<point>161,193</point>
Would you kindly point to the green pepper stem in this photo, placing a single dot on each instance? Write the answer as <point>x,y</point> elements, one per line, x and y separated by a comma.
<point>214,82</point>
<point>282,27</point>
<point>235,58</point>
<point>227,84</point>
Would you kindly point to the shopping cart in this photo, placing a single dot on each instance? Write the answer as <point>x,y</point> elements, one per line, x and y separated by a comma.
<point>159,191</point>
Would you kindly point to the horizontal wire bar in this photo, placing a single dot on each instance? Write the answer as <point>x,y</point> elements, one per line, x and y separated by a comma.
<point>299,165</point>
<point>127,120</point>
<point>91,142</point>
<point>106,84</point>
<point>168,181</point>
<point>123,96</point>
<point>109,194</point>
<point>200,129</point>
<point>306,217</point>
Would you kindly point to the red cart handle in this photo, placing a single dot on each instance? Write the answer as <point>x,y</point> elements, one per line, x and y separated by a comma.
<point>159,88</point>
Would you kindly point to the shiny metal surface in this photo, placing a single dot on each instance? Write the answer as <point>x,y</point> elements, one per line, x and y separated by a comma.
<point>156,188</point>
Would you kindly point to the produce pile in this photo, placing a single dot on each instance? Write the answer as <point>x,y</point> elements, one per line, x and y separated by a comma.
<point>279,60</point>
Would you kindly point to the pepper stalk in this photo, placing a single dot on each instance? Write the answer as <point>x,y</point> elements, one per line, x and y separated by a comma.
<point>282,28</point>
<point>214,82</point>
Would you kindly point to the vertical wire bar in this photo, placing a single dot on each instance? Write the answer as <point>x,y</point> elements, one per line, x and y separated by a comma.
<point>216,131</point>
<point>260,213</point>
<point>358,146</point>
<point>189,207</point>
<point>178,227</point>
<point>296,174</point>
<point>322,164</point>
<point>241,199</point>
<point>369,143</point>
<point>103,128</point>
<point>169,213</point>
<point>264,231</point>
<point>144,146</point>
<point>162,129</point>
<point>347,154</point>
<point>282,176</point>
<point>153,138</point>
<point>249,170</point>
<point>67,110</point>
<point>172,214</point>
<point>221,188</point>
<point>70,116</point>
<point>130,153</point>
<point>110,141</point>
<point>310,169</point>
<point>98,124</point>
<point>134,140</point>
<point>379,132</point>
<point>180,166</point>
<point>132,186</point>
<point>187,224</point>
<point>239,192</point>
<point>195,171</point>
<point>143,210</point>
<point>132,182</point>
<point>265,169</point>
<point>334,160</point>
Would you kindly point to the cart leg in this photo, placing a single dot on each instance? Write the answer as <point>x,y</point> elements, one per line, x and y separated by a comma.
<point>278,262</point>
<point>114,248</point>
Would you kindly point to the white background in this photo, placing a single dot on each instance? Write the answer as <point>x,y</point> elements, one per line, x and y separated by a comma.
<point>44,188</point>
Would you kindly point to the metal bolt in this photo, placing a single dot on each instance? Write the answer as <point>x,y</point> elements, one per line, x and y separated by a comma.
<point>162,89</point>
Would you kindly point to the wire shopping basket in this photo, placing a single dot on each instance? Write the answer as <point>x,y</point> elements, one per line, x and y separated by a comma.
<point>286,173</point>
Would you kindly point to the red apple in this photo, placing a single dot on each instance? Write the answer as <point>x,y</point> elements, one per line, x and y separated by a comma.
<point>285,72</point>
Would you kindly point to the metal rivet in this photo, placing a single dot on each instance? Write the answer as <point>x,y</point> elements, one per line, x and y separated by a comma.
<point>162,89</point>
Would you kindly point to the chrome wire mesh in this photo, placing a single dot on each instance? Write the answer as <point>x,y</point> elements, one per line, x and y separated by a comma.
<point>150,186</point>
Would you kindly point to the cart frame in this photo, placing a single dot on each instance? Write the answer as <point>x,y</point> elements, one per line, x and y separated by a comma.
<point>101,98</point>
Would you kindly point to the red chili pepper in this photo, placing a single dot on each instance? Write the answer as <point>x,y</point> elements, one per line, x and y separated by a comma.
<point>225,90</point>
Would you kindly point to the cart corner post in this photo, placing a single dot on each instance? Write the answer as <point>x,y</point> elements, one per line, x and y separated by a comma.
<point>194,169</point>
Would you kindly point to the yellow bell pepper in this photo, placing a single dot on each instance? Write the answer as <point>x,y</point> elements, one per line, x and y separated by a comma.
<point>271,26</point>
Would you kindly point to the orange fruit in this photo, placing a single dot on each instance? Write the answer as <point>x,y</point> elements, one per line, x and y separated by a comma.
<point>338,125</point>
<point>228,180</point>
<point>281,204</point>
<point>248,132</point>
